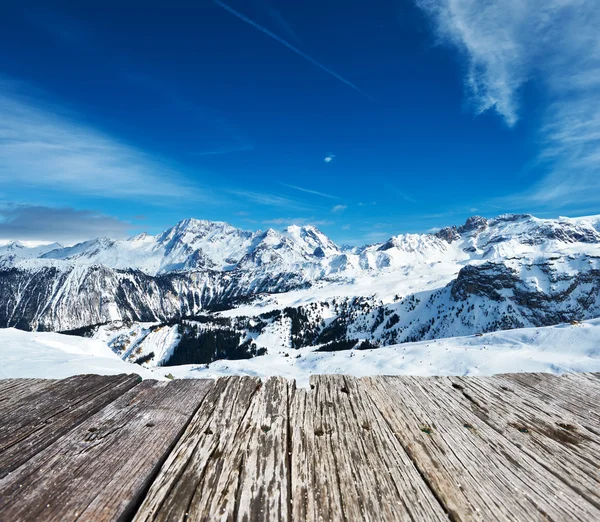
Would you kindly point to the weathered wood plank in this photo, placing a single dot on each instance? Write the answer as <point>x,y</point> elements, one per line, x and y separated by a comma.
<point>477,474</point>
<point>35,422</point>
<point>346,462</point>
<point>201,476</point>
<point>579,400</point>
<point>100,470</point>
<point>589,379</point>
<point>14,390</point>
<point>552,437</point>
<point>264,455</point>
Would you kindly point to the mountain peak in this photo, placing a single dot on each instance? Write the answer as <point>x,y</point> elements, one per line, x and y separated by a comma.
<point>196,224</point>
<point>473,223</point>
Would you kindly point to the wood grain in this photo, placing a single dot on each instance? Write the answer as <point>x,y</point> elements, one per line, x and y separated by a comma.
<point>477,473</point>
<point>40,418</point>
<point>101,469</point>
<point>14,390</point>
<point>200,478</point>
<point>346,462</point>
<point>578,399</point>
<point>510,447</point>
<point>551,436</point>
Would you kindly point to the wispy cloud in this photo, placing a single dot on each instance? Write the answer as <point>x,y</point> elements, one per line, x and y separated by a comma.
<point>399,193</point>
<point>300,221</point>
<point>244,18</point>
<point>272,200</point>
<point>310,191</point>
<point>329,158</point>
<point>507,43</point>
<point>65,225</point>
<point>279,19</point>
<point>43,146</point>
<point>376,237</point>
<point>339,208</point>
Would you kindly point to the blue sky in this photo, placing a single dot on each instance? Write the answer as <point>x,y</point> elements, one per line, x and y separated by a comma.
<point>365,119</point>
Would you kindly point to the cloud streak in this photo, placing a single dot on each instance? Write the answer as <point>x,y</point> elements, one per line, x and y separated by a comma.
<point>309,191</point>
<point>264,30</point>
<point>272,200</point>
<point>42,146</point>
<point>65,225</point>
<point>554,43</point>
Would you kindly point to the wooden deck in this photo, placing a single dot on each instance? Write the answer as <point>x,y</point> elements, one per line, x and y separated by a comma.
<point>510,447</point>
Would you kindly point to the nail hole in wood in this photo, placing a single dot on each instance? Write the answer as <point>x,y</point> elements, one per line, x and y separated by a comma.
<point>468,426</point>
<point>345,390</point>
<point>312,386</point>
<point>457,386</point>
<point>150,424</point>
<point>366,426</point>
<point>319,432</point>
<point>265,428</point>
<point>426,429</point>
<point>208,432</point>
<point>92,429</point>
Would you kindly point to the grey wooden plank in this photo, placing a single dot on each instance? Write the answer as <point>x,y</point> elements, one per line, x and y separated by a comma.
<point>346,462</point>
<point>552,437</point>
<point>100,470</point>
<point>201,477</point>
<point>42,417</point>
<point>580,400</point>
<point>590,380</point>
<point>264,455</point>
<point>14,390</point>
<point>477,474</point>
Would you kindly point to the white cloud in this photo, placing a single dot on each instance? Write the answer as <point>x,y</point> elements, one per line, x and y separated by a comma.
<point>555,43</point>
<point>41,146</point>
<point>329,158</point>
<point>339,208</point>
<point>65,225</point>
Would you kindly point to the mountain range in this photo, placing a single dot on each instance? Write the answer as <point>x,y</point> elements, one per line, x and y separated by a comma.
<point>296,287</point>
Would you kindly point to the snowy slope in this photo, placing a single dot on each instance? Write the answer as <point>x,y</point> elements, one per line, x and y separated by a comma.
<point>556,349</point>
<point>56,356</point>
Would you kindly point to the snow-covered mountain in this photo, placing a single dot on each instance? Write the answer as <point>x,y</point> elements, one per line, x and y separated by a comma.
<point>15,250</point>
<point>507,272</point>
<point>195,244</point>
